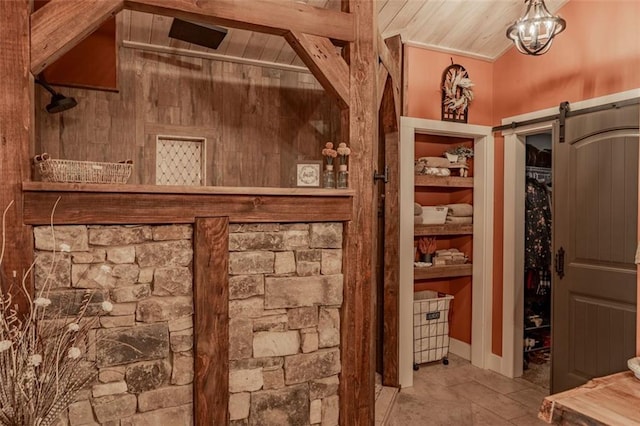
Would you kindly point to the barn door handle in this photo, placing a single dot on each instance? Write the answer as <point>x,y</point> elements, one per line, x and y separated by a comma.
<point>560,263</point>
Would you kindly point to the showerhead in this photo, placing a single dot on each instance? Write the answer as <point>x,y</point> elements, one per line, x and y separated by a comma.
<point>59,102</point>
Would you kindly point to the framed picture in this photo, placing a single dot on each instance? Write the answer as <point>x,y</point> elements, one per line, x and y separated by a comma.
<point>308,174</point>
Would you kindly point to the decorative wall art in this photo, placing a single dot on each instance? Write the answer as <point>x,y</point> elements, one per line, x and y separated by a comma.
<point>308,174</point>
<point>456,93</point>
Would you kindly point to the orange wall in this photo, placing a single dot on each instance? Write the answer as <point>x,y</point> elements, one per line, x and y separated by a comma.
<point>598,54</point>
<point>424,77</point>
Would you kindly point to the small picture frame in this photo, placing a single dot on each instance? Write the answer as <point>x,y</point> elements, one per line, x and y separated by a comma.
<point>308,174</point>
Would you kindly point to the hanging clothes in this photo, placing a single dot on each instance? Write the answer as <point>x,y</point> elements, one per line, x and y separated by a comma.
<point>537,254</point>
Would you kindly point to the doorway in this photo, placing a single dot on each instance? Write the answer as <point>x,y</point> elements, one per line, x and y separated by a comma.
<point>536,352</point>
<point>511,362</point>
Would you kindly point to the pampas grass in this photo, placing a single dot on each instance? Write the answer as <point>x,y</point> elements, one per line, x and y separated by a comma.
<point>43,362</point>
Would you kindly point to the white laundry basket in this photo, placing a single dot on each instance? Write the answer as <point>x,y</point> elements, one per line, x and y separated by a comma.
<point>430,327</point>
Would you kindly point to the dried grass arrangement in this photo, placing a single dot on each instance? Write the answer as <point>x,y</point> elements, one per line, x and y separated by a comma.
<point>43,352</point>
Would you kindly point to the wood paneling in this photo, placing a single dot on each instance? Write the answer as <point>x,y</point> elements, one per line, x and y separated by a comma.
<point>257,121</point>
<point>126,204</point>
<point>211,334</point>
<point>15,127</point>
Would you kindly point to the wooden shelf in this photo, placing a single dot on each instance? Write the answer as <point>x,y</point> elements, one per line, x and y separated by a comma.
<point>452,229</point>
<point>444,181</point>
<point>445,271</point>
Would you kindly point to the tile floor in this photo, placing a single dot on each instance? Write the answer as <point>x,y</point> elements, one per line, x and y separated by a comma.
<point>460,394</point>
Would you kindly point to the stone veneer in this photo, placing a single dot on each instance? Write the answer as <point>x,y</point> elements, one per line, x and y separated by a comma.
<point>285,291</point>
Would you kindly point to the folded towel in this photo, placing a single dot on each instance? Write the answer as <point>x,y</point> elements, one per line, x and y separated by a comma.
<point>417,209</point>
<point>417,220</point>
<point>460,210</point>
<point>434,161</point>
<point>456,220</point>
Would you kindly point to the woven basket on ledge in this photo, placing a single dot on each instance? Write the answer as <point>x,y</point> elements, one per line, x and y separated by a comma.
<point>54,170</point>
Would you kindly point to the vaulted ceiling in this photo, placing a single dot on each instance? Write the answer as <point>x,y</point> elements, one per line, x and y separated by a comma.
<point>470,27</point>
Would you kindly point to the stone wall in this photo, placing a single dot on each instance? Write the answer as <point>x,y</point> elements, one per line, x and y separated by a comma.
<point>285,287</point>
<point>285,291</point>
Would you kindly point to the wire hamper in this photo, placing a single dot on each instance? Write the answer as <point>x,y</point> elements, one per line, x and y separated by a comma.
<point>56,170</point>
<point>430,327</point>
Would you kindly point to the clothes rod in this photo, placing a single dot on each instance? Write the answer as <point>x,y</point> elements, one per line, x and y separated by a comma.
<point>568,113</point>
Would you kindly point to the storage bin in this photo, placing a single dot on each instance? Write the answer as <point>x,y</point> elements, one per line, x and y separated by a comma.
<point>430,327</point>
<point>434,215</point>
<point>56,170</point>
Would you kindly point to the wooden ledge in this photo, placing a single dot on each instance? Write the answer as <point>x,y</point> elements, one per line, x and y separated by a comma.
<point>176,189</point>
<point>606,400</point>
<point>150,204</point>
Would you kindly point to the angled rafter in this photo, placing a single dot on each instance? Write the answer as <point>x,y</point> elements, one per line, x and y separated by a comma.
<point>326,64</point>
<point>265,16</point>
<point>61,24</point>
<point>390,52</point>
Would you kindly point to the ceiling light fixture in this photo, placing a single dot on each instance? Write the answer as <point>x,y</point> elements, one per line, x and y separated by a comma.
<point>534,32</point>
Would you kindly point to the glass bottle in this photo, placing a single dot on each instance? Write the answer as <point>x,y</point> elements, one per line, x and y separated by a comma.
<point>343,177</point>
<point>328,177</point>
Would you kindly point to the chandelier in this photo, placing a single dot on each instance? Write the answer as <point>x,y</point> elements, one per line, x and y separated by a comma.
<point>534,32</point>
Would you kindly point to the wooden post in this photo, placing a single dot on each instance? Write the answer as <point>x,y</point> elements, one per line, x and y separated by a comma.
<point>390,117</point>
<point>211,321</point>
<point>357,327</point>
<point>15,124</point>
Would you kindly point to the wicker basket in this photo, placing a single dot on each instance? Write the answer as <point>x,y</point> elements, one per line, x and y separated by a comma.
<point>54,170</point>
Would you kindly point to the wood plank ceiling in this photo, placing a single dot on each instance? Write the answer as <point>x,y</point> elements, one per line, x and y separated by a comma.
<point>469,27</point>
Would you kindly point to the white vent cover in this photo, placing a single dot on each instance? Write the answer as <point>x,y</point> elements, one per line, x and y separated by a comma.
<point>180,160</point>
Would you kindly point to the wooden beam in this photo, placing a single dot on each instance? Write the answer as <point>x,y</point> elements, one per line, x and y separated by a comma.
<point>391,287</point>
<point>394,46</point>
<point>82,207</point>
<point>211,321</point>
<point>16,109</point>
<point>388,60</point>
<point>381,83</point>
<point>265,16</point>
<point>357,314</point>
<point>324,61</point>
<point>60,25</point>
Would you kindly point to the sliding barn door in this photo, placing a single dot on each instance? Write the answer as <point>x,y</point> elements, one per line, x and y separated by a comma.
<point>595,227</point>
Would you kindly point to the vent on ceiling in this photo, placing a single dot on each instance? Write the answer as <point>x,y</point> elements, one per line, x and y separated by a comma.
<point>201,34</point>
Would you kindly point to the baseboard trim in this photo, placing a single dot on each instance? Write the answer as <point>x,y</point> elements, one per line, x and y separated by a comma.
<point>494,363</point>
<point>459,348</point>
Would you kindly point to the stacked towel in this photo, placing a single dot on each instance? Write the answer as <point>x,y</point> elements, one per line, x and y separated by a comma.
<point>449,257</point>
<point>417,213</point>
<point>461,213</point>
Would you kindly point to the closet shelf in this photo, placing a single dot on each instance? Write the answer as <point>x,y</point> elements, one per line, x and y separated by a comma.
<point>542,348</point>
<point>455,229</point>
<point>540,327</point>
<point>444,181</point>
<point>444,271</point>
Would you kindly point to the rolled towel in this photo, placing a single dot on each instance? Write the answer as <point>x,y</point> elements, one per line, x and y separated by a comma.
<point>460,210</point>
<point>437,171</point>
<point>417,220</point>
<point>456,220</point>
<point>417,209</point>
